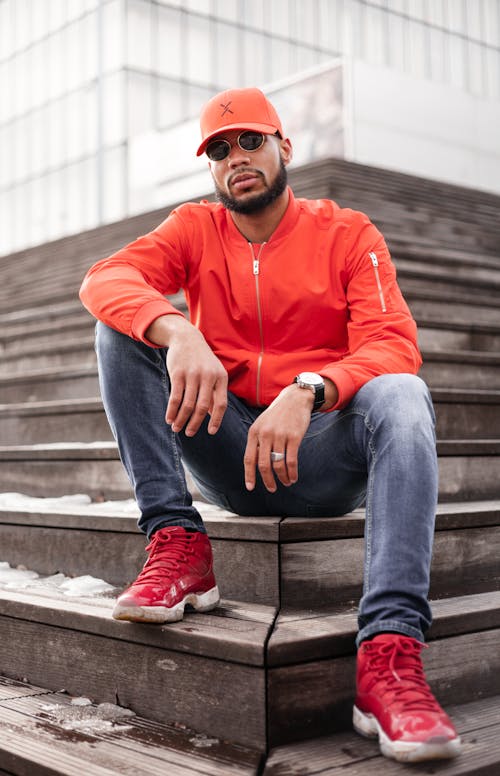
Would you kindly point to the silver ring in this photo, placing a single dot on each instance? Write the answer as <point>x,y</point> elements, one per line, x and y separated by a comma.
<point>277,457</point>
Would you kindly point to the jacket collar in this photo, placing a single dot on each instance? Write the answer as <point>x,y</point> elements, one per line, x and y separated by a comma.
<point>284,227</point>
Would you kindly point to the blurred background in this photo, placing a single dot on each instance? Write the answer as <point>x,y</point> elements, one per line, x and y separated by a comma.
<point>100,98</point>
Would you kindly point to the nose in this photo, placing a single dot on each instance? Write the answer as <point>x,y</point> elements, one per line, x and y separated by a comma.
<point>237,156</point>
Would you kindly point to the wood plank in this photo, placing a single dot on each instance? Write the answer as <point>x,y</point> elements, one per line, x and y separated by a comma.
<point>108,737</point>
<point>244,570</point>
<point>96,517</point>
<point>300,636</point>
<point>468,477</point>
<point>448,515</point>
<point>330,572</point>
<point>233,632</point>
<point>55,476</point>
<point>221,699</point>
<point>477,723</point>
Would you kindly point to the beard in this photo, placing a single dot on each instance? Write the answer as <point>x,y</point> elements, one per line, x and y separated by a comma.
<point>258,201</point>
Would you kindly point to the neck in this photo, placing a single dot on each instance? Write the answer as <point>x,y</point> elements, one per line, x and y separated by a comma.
<point>258,227</point>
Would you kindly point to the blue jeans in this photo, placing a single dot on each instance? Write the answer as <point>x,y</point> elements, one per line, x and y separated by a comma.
<point>379,449</point>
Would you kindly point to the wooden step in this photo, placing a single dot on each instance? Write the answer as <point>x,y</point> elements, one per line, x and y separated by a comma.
<point>104,541</point>
<point>461,369</point>
<point>81,420</point>
<point>206,672</point>
<point>59,469</point>
<point>468,469</point>
<point>295,562</point>
<point>41,729</point>
<point>460,414</point>
<point>454,308</point>
<point>40,336</point>
<point>467,414</point>
<point>290,681</point>
<point>44,732</point>
<point>454,335</point>
<point>78,351</point>
<point>477,722</point>
<point>48,384</point>
<point>311,669</point>
<point>484,280</point>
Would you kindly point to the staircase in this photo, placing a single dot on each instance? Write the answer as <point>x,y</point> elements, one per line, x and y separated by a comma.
<point>263,684</point>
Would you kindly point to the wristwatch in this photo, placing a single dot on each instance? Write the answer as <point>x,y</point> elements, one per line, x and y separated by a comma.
<point>314,383</point>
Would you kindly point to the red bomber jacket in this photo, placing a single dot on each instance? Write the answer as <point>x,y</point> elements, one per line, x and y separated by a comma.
<point>321,295</point>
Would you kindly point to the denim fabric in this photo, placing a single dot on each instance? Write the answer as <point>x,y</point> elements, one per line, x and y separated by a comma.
<point>379,449</point>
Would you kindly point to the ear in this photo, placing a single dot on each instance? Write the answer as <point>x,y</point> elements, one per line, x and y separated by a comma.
<point>286,151</point>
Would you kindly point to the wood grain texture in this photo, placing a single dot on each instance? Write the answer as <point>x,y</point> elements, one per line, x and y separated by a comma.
<point>47,731</point>
<point>234,632</point>
<point>209,695</point>
<point>330,572</point>
<point>244,570</point>
<point>478,724</point>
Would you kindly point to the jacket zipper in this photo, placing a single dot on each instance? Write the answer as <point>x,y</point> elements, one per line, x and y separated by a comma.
<point>256,272</point>
<point>373,257</point>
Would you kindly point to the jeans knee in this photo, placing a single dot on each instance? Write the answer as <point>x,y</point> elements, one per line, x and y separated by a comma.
<point>402,399</point>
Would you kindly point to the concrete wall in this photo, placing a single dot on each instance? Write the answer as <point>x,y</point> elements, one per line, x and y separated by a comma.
<point>434,130</point>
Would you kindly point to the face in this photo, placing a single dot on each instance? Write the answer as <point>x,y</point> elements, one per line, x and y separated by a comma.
<point>248,181</point>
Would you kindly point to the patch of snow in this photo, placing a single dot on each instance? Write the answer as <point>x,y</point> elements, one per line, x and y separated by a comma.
<point>70,445</point>
<point>82,503</point>
<point>82,716</point>
<point>85,585</point>
<point>78,502</point>
<point>201,741</point>
<point>23,579</point>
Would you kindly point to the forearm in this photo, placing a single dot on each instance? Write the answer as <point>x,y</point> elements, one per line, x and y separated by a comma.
<point>167,328</point>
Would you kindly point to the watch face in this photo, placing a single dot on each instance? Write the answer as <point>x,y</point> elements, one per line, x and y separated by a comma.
<point>311,378</point>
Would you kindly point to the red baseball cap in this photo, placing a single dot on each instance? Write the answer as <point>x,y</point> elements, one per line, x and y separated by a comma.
<point>237,109</point>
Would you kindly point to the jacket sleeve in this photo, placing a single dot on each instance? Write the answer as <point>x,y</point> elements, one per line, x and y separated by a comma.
<point>382,335</point>
<point>127,290</point>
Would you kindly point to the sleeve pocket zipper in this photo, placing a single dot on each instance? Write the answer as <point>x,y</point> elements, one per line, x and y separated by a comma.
<point>374,260</point>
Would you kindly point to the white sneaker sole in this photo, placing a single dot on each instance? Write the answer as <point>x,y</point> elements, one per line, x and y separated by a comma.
<point>404,751</point>
<point>202,602</point>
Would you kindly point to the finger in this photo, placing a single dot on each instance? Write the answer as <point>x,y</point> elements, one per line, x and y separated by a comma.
<point>292,460</point>
<point>280,468</point>
<point>265,465</point>
<point>187,406</point>
<point>177,385</point>
<point>219,405</point>
<point>200,409</point>
<point>250,460</point>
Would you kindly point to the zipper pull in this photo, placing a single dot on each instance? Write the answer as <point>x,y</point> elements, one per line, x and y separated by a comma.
<point>255,266</point>
<point>373,257</point>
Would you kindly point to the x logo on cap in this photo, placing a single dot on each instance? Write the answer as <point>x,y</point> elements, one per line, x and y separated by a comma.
<point>226,107</point>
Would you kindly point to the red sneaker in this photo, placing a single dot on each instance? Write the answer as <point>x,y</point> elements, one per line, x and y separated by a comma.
<point>395,703</point>
<point>177,572</point>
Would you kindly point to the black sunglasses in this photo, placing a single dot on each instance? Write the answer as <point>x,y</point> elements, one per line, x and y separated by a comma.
<point>249,140</point>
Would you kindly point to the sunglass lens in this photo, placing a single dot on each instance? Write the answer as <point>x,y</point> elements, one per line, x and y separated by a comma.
<point>250,141</point>
<point>218,150</point>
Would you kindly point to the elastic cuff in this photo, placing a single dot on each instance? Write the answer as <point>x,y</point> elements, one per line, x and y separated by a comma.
<point>182,522</point>
<point>389,626</point>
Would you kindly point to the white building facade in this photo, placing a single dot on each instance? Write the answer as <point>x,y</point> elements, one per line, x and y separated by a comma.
<point>99,97</point>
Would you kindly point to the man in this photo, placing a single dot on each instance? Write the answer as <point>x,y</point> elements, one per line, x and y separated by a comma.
<point>291,391</point>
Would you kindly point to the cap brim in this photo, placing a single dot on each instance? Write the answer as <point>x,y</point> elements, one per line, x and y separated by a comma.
<point>268,129</point>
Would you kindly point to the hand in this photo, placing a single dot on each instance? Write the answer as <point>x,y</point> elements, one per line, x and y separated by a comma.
<point>198,380</point>
<point>280,428</point>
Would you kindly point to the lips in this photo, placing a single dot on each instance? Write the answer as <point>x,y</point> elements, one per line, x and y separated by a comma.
<point>243,180</point>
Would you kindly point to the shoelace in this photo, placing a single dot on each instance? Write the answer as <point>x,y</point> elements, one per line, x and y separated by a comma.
<point>167,552</point>
<point>397,665</point>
